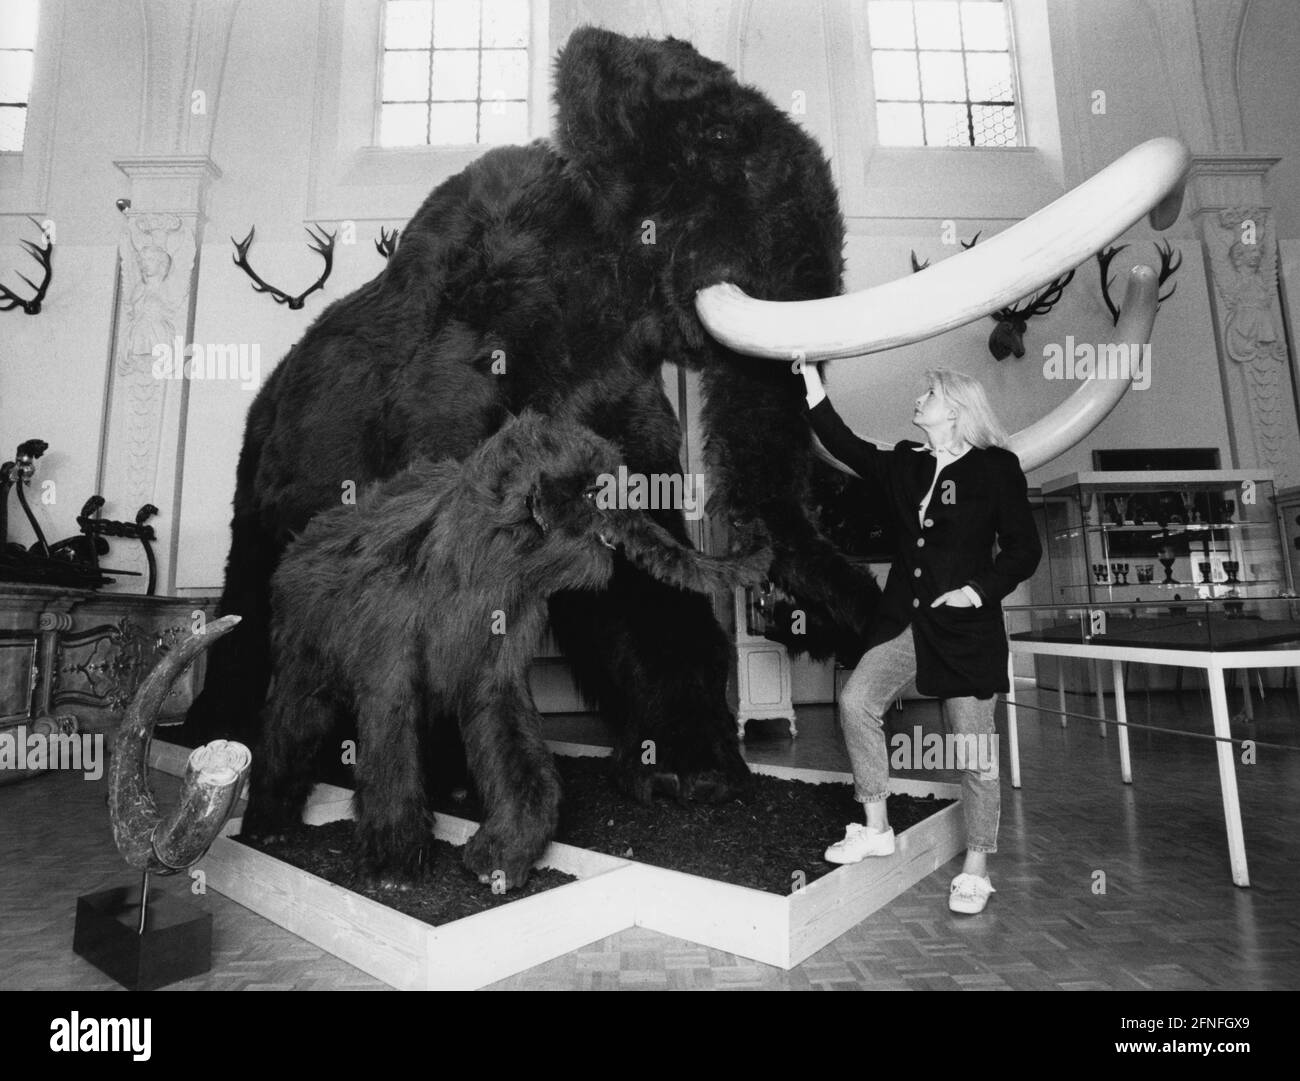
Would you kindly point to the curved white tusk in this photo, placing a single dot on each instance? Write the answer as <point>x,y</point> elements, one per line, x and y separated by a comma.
<point>830,459</point>
<point>997,272</point>
<point>1082,411</point>
<point>1088,406</point>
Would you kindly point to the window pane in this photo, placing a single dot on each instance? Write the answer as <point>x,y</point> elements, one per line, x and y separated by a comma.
<point>895,75</point>
<point>938,25</point>
<point>990,76</point>
<point>17,24</point>
<point>403,125</point>
<point>406,76</point>
<point>407,24</point>
<point>13,119</point>
<point>995,125</point>
<point>942,77</point>
<point>503,122</point>
<point>984,25</point>
<point>455,24</point>
<point>899,125</point>
<point>505,24</point>
<point>891,24</point>
<point>945,125</point>
<point>452,124</point>
<point>455,76</point>
<point>505,74</point>
<point>15,75</point>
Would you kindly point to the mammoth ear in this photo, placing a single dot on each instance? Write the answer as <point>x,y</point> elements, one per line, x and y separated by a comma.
<point>534,501</point>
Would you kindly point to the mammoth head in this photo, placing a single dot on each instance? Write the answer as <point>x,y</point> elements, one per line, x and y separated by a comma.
<point>700,171</point>
<point>576,498</point>
<point>560,470</point>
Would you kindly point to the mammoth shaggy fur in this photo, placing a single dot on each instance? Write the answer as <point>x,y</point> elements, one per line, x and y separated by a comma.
<point>421,607</point>
<point>561,276</point>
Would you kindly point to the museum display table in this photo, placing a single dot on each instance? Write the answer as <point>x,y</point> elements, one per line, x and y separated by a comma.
<point>1213,636</point>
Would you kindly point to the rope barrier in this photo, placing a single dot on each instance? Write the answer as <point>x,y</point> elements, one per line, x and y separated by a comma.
<point>1148,727</point>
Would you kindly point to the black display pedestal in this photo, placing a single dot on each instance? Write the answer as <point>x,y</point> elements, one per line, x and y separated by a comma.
<point>176,942</point>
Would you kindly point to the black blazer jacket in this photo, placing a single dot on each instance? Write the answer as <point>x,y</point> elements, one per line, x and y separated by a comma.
<point>979,498</point>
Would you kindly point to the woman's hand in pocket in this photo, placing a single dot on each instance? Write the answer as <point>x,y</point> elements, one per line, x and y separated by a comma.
<point>954,598</point>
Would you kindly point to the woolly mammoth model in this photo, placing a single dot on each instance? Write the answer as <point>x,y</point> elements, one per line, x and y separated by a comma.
<point>421,607</point>
<point>562,276</point>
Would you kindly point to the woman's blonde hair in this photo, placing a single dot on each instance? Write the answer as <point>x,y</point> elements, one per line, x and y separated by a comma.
<point>976,424</point>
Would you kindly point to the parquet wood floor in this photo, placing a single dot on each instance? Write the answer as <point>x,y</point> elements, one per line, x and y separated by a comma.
<point>1169,918</point>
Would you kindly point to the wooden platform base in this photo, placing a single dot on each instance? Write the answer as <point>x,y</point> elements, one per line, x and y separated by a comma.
<point>612,894</point>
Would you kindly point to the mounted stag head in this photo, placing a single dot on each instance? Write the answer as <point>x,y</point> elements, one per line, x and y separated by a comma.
<point>1008,337</point>
<point>45,256</point>
<point>322,244</point>
<point>1170,261</point>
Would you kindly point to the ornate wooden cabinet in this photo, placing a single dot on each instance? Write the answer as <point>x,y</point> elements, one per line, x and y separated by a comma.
<point>78,656</point>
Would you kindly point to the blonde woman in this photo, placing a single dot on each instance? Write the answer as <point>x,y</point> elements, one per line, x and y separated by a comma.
<point>940,621</point>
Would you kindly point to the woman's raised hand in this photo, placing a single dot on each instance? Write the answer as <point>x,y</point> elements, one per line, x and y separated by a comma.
<point>812,381</point>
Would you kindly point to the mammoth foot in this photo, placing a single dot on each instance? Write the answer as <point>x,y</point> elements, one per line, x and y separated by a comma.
<point>497,859</point>
<point>643,783</point>
<point>400,871</point>
<point>265,826</point>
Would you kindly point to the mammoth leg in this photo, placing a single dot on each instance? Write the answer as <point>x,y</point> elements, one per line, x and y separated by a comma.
<point>394,823</point>
<point>517,781</point>
<point>297,721</point>
<point>657,661</point>
<point>239,666</point>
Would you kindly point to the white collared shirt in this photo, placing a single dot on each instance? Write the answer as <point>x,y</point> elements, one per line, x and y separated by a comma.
<point>943,459</point>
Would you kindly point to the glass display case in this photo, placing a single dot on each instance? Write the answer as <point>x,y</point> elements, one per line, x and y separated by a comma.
<point>1164,535</point>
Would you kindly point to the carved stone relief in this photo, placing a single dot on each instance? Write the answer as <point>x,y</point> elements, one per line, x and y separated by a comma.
<point>1242,248</point>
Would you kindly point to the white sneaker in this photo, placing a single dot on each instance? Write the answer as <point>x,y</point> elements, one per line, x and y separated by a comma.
<point>860,842</point>
<point>969,894</point>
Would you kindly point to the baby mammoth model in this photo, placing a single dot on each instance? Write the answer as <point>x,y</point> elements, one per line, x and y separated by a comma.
<point>421,606</point>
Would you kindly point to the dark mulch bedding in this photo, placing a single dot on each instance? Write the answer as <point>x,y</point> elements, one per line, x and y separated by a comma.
<point>782,828</point>
<point>766,842</point>
<point>447,893</point>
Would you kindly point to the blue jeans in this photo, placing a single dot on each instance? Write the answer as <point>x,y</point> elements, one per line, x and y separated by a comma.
<point>884,673</point>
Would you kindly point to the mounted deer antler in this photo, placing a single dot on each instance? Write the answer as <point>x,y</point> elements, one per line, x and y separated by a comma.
<point>45,256</point>
<point>1170,261</point>
<point>1008,337</point>
<point>387,242</point>
<point>918,266</point>
<point>322,244</point>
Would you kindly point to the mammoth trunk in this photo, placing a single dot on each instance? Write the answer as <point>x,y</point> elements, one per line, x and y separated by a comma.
<point>760,457</point>
<point>214,774</point>
<point>652,548</point>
